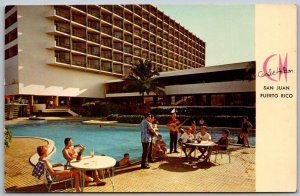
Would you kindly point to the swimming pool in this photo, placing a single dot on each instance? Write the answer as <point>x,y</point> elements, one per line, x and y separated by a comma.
<point>111,140</point>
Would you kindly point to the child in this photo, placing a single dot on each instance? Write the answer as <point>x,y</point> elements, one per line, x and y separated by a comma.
<point>159,148</point>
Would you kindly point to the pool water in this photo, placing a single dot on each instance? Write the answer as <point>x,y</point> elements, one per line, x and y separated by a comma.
<point>113,141</point>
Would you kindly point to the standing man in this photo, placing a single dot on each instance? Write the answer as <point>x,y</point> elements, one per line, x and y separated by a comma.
<point>146,131</point>
<point>173,124</point>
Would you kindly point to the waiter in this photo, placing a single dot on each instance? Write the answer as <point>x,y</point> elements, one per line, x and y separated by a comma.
<point>173,124</point>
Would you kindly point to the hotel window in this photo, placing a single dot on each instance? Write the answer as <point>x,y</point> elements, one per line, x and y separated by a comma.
<point>11,20</point>
<point>11,52</point>
<point>217,100</point>
<point>11,36</point>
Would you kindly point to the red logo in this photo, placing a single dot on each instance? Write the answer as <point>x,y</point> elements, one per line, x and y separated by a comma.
<point>280,68</point>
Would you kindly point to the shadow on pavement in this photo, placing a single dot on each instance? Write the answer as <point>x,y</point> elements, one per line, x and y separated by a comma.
<point>181,164</point>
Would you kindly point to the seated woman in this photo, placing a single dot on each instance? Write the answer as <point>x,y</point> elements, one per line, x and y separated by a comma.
<point>70,153</point>
<point>222,143</point>
<point>124,161</point>
<point>159,148</point>
<point>60,174</point>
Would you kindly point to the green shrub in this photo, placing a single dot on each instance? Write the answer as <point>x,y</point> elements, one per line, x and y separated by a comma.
<point>132,119</point>
<point>7,137</point>
<point>210,121</point>
<point>104,108</point>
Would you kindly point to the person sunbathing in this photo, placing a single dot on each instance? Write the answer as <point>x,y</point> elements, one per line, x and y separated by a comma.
<point>60,174</point>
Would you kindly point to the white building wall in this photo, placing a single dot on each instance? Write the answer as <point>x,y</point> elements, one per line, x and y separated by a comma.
<point>38,78</point>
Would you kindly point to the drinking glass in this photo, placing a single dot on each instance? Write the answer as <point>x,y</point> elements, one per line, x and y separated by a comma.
<point>92,153</point>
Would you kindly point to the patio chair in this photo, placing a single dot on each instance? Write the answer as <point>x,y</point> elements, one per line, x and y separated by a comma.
<point>48,179</point>
<point>227,151</point>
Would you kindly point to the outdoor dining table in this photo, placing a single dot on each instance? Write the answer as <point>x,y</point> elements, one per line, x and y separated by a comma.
<point>203,144</point>
<point>95,163</point>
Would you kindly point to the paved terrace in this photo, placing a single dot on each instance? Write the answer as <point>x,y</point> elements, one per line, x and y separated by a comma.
<point>173,174</point>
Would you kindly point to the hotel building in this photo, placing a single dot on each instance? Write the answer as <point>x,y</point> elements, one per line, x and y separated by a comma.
<point>220,85</point>
<point>62,55</point>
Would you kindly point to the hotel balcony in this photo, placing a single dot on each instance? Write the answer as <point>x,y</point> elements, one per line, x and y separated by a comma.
<point>118,57</point>
<point>129,17</point>
<point>118,23</point>
<point>128,27</point>
<point>118,46</point>
<point>93,64</point>
<point>106,66</point>
<point>80,63</point>
<point>106,18</point>
<point>106,42</point>
<point>94,12</point>
<point>79,19</point>
<point>128,38</point>
<point>62,12</point>
<point>128,59</point>
<point>94,51</point>
<point>94,25</point>
<point>128,49</point>
<point>106,54</point>
<point>79,33</point>
<point>107,30</point>
<point>80,47</point>
<point>94,38</point>
<point>80,7</point>
<point>118,34</point>
<point>59,27</point>
<point>62,60</point>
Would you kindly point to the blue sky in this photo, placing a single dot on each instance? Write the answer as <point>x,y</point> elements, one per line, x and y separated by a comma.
<point>227,30</point>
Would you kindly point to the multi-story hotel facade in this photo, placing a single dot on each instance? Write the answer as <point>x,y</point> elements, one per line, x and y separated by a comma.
<point>61,55</point>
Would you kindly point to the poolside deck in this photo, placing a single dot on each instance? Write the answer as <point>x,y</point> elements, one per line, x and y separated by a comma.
<point>171,175</point>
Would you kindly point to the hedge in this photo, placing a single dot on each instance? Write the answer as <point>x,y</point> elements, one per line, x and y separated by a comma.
<point>208,111</point>
<point>210,121</point>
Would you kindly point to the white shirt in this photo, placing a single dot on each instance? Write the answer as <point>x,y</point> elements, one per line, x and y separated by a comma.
<point>185,137</point>
<point>204,137</point>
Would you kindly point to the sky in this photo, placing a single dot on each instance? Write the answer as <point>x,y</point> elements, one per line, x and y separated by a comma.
<point>227,30</point>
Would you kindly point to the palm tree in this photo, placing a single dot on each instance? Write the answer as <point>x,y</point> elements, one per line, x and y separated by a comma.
<point>142,79</point>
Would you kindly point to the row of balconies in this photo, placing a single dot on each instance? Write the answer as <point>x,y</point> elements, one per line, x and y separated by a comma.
<point>65,28</point>
<point>64,57</point>
<point>114,67</point>
<point>95,50</point>
<point>64,12</point>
